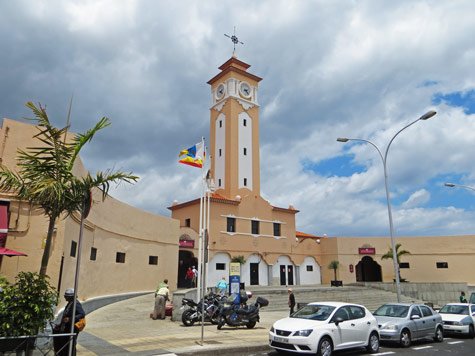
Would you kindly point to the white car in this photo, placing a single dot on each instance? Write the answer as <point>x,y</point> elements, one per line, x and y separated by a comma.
<point>459,318</point>
<point>323,327</point>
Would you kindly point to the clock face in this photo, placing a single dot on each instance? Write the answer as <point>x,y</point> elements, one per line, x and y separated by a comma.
<point>245,90</point>
<point>220,91</point>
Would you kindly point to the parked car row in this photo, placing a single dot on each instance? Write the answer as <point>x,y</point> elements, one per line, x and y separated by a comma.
<point>323,327</point>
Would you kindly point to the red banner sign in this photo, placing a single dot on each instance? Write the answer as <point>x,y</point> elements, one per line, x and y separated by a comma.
<point>187,243</point>
<point>367,251</point>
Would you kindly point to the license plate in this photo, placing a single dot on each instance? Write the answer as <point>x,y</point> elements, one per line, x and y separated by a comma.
<point>281,339</point>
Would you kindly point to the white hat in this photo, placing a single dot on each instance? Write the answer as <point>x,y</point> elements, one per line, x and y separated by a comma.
<point>69,292</point>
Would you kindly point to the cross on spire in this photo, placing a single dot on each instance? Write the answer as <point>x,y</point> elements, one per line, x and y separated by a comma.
<point>235,40</point>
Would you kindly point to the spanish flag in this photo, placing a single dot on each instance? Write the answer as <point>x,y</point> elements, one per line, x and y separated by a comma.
<point>194,156</point>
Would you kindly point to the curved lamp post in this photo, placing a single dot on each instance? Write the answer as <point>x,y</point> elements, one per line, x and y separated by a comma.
<point>458,185</point>
<point>426,116</point>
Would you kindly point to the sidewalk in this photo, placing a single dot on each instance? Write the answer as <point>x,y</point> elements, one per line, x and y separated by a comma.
<point>125,328</point>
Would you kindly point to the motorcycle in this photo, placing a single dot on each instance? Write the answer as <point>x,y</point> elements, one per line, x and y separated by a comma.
<point>240,314</point>
<point>193,313</point>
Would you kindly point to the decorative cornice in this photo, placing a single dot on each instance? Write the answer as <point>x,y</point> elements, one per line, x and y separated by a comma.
<point>219,105</point>
<point>245,103</point>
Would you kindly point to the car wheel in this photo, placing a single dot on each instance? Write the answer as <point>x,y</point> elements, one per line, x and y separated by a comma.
<point>405,339</point>
<point>439,334</point>
<point>186,317</point>
<point>325,347</point>
<point>373,343</point>
<point>471,332</point>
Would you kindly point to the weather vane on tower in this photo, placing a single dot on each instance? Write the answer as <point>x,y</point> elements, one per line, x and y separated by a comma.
<point>235,41</point>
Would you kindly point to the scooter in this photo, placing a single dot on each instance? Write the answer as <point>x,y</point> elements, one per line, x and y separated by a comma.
<point>240,314</point>
<point>193,313</point>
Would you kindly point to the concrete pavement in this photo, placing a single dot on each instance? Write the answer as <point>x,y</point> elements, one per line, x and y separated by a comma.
<point>125,328</point>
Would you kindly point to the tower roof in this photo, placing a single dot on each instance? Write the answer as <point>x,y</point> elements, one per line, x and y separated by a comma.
<point>234,65</point>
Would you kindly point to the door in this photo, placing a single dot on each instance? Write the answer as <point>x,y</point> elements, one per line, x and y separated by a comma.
<point>428,320</point>
<point>290,275</point>
<point>345,332</point>
<point>254,273</point>
<point>282,275</point>
<point>362,324</point>
<point>418,324</point>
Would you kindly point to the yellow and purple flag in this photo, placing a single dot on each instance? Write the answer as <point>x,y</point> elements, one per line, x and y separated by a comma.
<point>194,156</point>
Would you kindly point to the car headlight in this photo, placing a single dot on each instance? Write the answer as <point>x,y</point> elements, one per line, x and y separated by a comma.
<point>458,323</point>
<point>272,330</point>
<point>390,327</point>
<point>303,332</point>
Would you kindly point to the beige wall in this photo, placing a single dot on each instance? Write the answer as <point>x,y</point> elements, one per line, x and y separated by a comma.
<point>111,227</point>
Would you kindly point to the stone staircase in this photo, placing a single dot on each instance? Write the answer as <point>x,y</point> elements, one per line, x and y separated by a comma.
<point>371,298</point>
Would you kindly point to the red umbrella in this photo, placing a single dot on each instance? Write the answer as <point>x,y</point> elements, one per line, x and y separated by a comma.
<point>7,252</point>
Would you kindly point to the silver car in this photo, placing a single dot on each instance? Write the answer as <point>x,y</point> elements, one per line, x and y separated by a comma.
<point>404,323</point>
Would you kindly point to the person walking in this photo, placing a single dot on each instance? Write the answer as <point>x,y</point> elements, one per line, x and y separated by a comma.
<point>463,299</point>
<point>189,277</point>
<point>222,286</point>
<point>291,300</point>
<point>160,302</point>
<point>61,343</point>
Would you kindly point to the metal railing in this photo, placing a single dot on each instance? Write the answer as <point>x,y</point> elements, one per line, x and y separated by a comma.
<point>35,345</point>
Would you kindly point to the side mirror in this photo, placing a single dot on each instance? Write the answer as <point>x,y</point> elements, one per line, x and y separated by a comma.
<point>415,317</point>
<point>338,320</point>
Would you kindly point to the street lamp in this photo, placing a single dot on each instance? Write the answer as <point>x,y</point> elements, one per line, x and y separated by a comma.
<point>426,116</point>
<point>458,185</point>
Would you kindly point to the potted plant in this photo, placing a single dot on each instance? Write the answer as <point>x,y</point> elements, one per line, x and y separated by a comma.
<point>334,265</point>
<point>25,308</point>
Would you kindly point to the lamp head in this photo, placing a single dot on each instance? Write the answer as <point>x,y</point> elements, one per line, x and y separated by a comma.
<point>342,139</point>
<point>428,115</point>
<point>449,185</point>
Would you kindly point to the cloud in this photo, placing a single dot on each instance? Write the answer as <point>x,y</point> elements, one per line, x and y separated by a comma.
<point>416,199</point>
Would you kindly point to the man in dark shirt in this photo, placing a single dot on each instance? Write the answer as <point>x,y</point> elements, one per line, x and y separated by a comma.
<point>61,343</point>
<point>291,301</point>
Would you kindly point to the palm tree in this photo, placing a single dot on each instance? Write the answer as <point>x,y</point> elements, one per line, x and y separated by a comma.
<point>399,253</point>
<point>334,265</point>
<point>45,173</point>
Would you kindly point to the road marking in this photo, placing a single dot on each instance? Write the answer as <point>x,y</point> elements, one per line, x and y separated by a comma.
<point>384,353</point>
<point>455,342</point>
<point>422,348</point>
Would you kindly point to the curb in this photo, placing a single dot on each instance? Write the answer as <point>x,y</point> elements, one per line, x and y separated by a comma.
<point>227,350</point>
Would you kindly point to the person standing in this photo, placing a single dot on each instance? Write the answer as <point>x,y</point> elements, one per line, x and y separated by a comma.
<point>463,299</point>
<point>291,301</point>
<point>222,286</point>
<point>189,277</point>
<point>160,302</point>
<point>61,344</point>
<point>195,277</point>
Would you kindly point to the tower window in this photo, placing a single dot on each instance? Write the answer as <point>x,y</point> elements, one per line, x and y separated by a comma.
<point>255,227</point>
<point>245,182</point>
<point>245,151</point>
<point>244,122</point>
<point>220,152</point>
<point>276,229</point>
<point>231,225</point>
<point>220,123</point>
<point>187,222</point>
<point>219,182</point>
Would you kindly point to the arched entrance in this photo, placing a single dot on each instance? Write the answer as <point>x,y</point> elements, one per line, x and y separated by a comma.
<point>185,259</point>
<point>368,270</point>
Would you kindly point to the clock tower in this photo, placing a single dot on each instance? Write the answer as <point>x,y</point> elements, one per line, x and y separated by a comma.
<point>234,130</point>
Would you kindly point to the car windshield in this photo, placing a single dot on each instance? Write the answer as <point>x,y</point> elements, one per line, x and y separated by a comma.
<point>454,309</point>
<point>395,311</point>
<point>314,312</point>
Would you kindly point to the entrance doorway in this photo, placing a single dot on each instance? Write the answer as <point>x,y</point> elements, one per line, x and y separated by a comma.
<point>254,273</point>
<point>368,270</point>
<point>185,259</point>
<point>286,275</point>
<point>290,275</point>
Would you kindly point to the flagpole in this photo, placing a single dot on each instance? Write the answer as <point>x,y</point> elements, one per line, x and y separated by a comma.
<point>201,254</point>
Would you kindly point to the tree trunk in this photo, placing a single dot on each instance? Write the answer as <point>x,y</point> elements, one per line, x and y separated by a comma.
<point>46,252</point>
<point>334,270</point>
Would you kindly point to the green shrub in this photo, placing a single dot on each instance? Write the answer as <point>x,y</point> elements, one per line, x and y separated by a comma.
<point>26,305</point>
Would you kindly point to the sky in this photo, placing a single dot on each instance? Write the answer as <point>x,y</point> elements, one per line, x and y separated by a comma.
<point>355,69</point>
